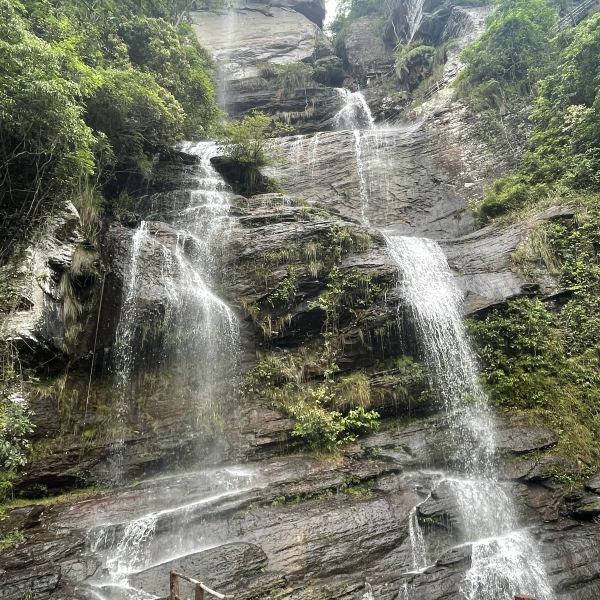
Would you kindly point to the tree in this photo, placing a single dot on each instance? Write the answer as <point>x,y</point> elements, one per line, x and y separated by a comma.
<point>45,145</point>
<point>566,140</point>
<point>514,47</point>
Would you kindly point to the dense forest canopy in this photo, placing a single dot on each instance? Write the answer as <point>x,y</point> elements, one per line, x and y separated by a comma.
<point>89,91</point>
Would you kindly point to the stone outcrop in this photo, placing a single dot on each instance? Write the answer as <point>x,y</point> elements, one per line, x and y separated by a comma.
<point>290,527</point>
<point>252,41</point>
<point>37,325</point>
<point>364,51</point>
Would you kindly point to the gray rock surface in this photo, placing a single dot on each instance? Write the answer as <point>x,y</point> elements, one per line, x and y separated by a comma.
<point>289,527</point>
<point>255,33</point>
<point>252,36</point>
<point>37,326</point>
<point>364,50</point>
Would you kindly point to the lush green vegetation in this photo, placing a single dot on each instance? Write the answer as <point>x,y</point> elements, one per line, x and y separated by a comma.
<point>249,139</point>
<point>543,358</point>
<point>502,68</point>
<point>11,538</point>
<point>536,91</point>
<point>15,420</point>
<point>329,408</point>
<point>562,159</point>
<point>313,400</point>
<point>89,92</point>
<point>515,46</point>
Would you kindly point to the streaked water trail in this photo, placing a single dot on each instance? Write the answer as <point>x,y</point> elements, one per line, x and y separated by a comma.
<point>505,560</point>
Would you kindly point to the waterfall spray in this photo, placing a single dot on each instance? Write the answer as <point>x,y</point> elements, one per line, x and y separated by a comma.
<point>124,352</point>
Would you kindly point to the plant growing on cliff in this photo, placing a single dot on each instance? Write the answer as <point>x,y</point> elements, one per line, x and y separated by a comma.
<point>248,140</point>
<point>294,76</point>
<point>90,95</point>
<point>564,149</point>
<point>408,56</point>
<point>502,68</point>
<point>12,538</point>
<point>288,381</point>
<point>320,428</point>
<point>547,363</point>
<point>515,47</point>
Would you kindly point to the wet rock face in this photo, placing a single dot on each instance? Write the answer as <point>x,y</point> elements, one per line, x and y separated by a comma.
<point>37,326</point>
<point>288,528</point>
<point>410,179</point>
<point>307,109</point>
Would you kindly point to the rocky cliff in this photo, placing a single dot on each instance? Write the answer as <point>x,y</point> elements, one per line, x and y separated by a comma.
<point>308,274</point>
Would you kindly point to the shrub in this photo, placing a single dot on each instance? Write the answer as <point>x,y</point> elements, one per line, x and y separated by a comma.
<point>247,140</point>
<point>137,116</point>
<point>508,194</point>
<point>547,364</point>
<point>294,76</point>
<point>515,45</point>
<point>408,56</point>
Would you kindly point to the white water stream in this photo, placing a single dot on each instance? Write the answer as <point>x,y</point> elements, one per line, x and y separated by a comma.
<point>199,349</point>
<point>504,557</point>
<point>505,560</point>
<point>124,353</point>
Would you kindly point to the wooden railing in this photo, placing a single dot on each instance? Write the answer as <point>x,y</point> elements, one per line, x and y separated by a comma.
<point>200,590</point>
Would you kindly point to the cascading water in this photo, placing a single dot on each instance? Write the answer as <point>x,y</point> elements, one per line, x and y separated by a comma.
<point>202,339</point>
<point>355,112</point>
<point>417,541</point>
<point>504,558</point>
<point>198,332</point>
<point>199,346</point>
<point>414,17</point>
<point>355,115</point>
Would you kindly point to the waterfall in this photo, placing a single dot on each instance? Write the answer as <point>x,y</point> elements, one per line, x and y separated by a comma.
<point>355,115</point>
<point>355,112</point>
<point>198,333</point>
<point>130,552</point>
<point>417,541</point>
<point>414,16</point>
<point>124,352</point>
<point>434,301</point>
<point>202,335</point>
<point>504,559</point>
<point>360,168</point>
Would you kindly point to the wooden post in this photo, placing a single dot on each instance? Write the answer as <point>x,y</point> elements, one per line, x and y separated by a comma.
<point>173,586</point>
<point>521,597</point>
<point>199,595</point>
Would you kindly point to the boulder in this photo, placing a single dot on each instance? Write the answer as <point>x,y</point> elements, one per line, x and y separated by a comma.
<point>593,484</point>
